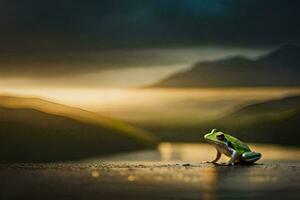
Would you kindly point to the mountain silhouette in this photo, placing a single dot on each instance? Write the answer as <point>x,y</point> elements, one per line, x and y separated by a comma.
<point>280,67</point>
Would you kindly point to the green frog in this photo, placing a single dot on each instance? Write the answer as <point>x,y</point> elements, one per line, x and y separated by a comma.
<point>238,151</point>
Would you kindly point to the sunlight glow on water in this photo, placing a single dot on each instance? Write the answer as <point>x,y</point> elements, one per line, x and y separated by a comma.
<point>198,153</point>
<point>95,174</point>
<point>201,152</point>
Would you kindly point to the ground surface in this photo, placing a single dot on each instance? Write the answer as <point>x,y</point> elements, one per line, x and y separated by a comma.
<point>174,171</point>
<point>149,181</point>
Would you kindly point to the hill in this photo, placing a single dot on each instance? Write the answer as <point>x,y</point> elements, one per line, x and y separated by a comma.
<point>281,67</point>
<point>35,130</point>
<point>287,104</point>
<point>275,121</point>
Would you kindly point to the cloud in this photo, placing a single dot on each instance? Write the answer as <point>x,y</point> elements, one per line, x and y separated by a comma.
<point>75,63</point>
<point>93,65</point>
<point>77,24</point>
<point>67,38</point>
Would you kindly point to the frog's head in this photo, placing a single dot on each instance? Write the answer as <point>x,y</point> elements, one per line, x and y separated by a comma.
<point>214,137</point>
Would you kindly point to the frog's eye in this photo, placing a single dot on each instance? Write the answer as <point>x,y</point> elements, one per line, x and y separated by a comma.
<point>220,135</point>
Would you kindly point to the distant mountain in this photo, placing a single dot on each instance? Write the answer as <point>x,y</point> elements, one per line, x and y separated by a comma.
<point>35,130</point>
<point>281,67</point>
<point>287,104</point>
<point>275,121</point>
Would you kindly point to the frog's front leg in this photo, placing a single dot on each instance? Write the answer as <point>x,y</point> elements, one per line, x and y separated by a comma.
<point>218,156</point>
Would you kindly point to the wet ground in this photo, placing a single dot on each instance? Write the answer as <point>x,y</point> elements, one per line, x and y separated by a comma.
<point>167,174</point>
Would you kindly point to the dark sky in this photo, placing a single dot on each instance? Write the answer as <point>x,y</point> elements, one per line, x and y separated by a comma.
<point>46,25</point>
<point>69,38</point>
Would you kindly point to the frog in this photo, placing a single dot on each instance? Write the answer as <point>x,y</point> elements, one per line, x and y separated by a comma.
<point>238,151</point>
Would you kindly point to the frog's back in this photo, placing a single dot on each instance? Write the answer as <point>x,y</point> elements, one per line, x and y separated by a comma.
<point>238,145</point>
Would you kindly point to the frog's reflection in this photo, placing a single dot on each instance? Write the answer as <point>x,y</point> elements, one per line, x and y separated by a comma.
<point>210,176</point>
<point>217,178</point>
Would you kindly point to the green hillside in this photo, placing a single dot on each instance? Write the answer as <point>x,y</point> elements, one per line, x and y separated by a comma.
<point>35,130</point>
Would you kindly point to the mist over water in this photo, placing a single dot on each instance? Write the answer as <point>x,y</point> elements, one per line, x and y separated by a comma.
<point>156,106</point>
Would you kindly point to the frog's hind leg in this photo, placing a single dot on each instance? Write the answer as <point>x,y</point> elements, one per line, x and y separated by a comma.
<point>250,157</point>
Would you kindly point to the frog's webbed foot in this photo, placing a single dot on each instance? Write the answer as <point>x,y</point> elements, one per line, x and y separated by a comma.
<point>209,162</point>
<point>221,164</point>
<point>227,164</point>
